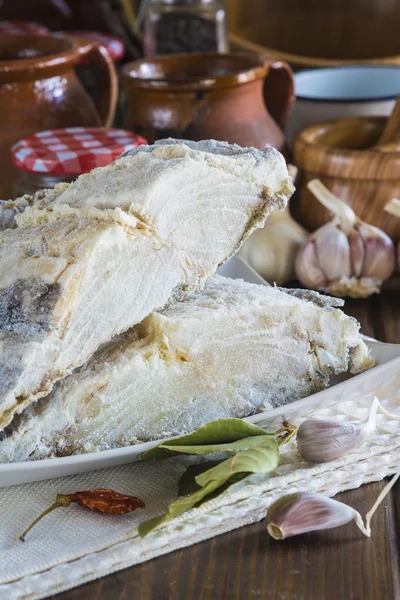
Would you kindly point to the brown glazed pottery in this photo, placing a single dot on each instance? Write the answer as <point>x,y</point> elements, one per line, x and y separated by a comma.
<point>39,90</point>
<point>344,156</point>
<point>236,98</point>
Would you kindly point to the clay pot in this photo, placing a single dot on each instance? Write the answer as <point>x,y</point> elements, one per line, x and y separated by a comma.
<point>39,90</point>
<point>343,155</point>
<point>236,98</point>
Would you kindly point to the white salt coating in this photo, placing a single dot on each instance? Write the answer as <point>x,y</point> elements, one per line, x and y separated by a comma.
<point>91,259</point>
<point>228,351</point>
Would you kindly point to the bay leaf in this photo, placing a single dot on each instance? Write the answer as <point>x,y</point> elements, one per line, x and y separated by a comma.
<point>236,446</point>
<point>187,482</point>
<point>213,481</point>
<point>262,458</point>
<point>178,507</point>
<point>216,436</point>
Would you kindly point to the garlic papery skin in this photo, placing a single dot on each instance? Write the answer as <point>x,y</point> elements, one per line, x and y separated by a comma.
<point>345,257</point>
<point>272,250</point>
<point>301,513</point>
<point>393,207</point>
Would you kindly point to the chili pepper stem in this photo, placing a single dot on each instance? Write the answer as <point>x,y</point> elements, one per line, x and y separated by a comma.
<point>60,501</point>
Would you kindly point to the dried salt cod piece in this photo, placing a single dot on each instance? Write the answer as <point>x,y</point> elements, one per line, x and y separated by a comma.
<point>91,259</point>
<point>228,351</point>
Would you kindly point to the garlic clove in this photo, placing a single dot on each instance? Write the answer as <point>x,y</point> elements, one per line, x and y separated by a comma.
<point>301,513</point>
<point>307,268</point>
<point>322,441</point>
<point>357,252</point>
<point>380,260</point>
<point>333,251</point>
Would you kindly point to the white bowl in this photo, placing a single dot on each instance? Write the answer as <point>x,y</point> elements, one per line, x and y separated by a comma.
<point>340,92</point>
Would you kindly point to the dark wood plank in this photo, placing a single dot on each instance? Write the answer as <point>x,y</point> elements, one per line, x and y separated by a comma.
<point>339,564</point>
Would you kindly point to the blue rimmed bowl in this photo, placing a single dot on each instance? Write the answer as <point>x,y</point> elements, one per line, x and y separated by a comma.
<point>341,92</point>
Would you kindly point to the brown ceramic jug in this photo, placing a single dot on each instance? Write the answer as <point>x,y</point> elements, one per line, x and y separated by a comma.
<point>39,90</point>
<point>241,99</point>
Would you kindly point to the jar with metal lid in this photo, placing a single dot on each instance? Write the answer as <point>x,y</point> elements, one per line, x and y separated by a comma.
<point>178,26</point>
<point>50,157</point>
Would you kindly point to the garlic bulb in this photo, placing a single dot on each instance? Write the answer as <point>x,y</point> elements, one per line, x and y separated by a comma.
<point>301,513</point>
<point>345,257</point>
<point>272,250</point>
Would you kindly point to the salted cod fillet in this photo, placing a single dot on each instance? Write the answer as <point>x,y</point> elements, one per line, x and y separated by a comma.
<point>91,259</point>
<point>228,351</point>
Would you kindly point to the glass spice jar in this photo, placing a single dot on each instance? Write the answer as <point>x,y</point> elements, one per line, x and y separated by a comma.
<point>178,26</point>
<point>50,157</point>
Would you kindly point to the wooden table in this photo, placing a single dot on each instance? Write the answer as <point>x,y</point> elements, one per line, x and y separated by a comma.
<point>340,564</point>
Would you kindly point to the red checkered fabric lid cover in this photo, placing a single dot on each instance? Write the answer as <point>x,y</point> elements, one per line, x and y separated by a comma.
<point>73,150</point>
<point>23,27</point>
<point>114,46</point>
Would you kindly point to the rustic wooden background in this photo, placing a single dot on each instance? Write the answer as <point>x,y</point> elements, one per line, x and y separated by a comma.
<point>330,29</point>
<point>340,564</point>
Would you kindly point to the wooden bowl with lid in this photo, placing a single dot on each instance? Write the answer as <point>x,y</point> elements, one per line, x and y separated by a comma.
<point>343,155</point>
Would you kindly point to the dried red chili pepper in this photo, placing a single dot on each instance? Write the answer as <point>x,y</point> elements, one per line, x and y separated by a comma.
<point>99,500</point>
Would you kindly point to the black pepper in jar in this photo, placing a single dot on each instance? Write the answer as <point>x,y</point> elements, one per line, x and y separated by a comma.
<point>176,26</point>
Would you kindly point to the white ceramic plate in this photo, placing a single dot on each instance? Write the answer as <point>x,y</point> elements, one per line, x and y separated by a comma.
<point>387,357</point>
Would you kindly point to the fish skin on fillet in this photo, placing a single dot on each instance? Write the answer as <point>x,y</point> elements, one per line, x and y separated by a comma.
<point>91,259</point>
<point>228,351</point>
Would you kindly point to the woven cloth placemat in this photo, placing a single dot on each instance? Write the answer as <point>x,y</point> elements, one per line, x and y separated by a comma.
<point>73,546</point>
